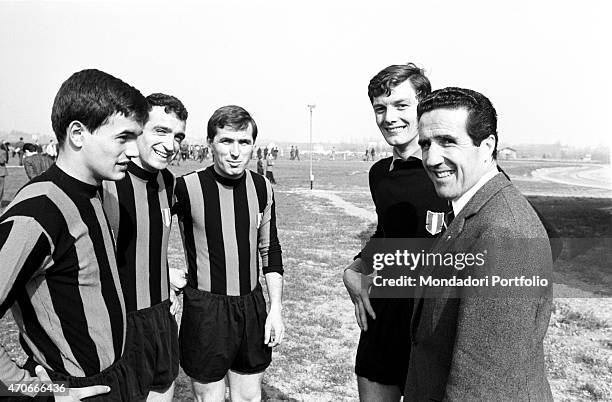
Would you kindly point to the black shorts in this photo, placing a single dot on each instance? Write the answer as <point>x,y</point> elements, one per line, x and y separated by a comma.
<point>151,348</point>
<point>120,377</point>
<point>384,349</point>
<point>219,333</point>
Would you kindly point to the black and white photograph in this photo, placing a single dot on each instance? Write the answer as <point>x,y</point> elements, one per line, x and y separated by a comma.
<point>305,201</point>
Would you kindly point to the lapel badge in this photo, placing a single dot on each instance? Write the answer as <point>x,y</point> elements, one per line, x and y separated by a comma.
<point>434,222</point>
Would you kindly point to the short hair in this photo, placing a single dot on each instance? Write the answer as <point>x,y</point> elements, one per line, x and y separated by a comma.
<point>233,116</point>
<point>481,120</point>
<point>392,76</point>
<point>91,97</point>
<point>29,147</point>
<point>170,103</point>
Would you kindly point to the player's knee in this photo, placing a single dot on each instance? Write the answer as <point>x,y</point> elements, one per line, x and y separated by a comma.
<point>250,395</point>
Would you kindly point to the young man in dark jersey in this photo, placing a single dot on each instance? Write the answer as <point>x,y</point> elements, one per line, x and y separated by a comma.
<point>403,195</point>
<point>139,213</point>
<point>59,272</point>
<point>227,218</point>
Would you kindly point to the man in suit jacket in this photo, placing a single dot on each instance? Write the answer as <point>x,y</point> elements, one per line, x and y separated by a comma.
<point>489,345</point>
<point>34,162</point>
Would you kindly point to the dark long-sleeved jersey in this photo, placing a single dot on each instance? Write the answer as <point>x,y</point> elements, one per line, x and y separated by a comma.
<point>224,223</point>
<point>138,209</point>
<point>59,276</point>
<point>402,194</point>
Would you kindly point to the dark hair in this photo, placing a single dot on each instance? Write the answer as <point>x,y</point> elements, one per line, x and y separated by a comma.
<point>91,97</point>
<point>481,121</point>
<point>29,147</point>
<point>170,103</point>
<point>233,116</point>
<point>392,76</point>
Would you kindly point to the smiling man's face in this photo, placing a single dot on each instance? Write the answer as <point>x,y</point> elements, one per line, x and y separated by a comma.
<point>160,139</point>
<point>452,161</point>
<point>396,114</point>
<point>232,150</point>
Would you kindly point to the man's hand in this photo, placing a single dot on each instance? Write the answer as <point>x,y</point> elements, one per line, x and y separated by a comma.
<point>175,302</point>
<point>177,279</point>
<point>275,329</point>
<point>357,286</point>
<point>74,394</point>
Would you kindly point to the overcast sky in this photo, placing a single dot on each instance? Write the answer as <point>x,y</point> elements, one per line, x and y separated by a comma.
<point>545,65</point>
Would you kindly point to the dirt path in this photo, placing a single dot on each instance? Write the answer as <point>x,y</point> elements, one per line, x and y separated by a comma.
<point>338,202</point>
<point>593,176</point>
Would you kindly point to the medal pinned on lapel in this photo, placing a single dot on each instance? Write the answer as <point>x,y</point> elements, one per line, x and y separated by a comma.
<point>434,222</point>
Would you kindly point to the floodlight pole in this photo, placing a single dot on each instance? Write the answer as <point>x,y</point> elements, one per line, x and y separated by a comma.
<point>310,107</point>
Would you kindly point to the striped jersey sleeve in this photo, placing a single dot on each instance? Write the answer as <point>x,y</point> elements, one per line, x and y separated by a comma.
<point>60,278</point>
<point>226,226</point>
<point>139,212</point>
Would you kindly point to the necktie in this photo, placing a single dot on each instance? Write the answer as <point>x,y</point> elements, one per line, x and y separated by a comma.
<point>448,217</point>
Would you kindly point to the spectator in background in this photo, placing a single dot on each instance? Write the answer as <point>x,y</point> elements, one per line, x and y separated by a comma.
<point>269,167</point>
<point>261,165</point>
<point>3,170</point>
<point>19,150</point>
<point>51,149</point>
<point>33,162</point>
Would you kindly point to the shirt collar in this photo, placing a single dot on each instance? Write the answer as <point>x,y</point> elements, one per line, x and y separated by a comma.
<point>396,156</point>
<point>467,196</point>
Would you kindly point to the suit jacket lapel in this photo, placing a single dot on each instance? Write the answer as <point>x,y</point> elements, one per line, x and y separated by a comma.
<point>446,241</point>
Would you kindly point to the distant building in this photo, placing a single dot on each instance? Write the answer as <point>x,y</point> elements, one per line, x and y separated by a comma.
<point>507,153</point>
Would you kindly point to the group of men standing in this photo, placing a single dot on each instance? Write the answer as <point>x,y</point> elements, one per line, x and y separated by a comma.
<point>432,345</point>
<point>84,255</point>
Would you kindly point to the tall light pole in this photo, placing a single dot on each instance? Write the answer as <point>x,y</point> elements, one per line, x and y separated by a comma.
<point>310,107</point>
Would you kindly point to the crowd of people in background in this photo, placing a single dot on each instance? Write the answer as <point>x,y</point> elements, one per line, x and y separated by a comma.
<point>37,158</point>
<point>34,157</point>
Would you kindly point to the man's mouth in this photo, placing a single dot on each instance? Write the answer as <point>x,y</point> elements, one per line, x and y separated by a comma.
<point>161,154</point>
<point>443,173</point>
<point>396,130</point>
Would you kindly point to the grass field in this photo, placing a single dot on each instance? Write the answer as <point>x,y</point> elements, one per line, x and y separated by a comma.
<point>321,231</point>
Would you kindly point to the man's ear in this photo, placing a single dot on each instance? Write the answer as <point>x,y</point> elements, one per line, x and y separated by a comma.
<point>75,132</point>
<point>489,144</point>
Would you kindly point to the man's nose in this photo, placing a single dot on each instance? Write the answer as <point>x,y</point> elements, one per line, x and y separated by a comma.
<point>390,115</point>
<point>235,149</point>
<point>131,148</point>
<point>170,144</point>
<point>433,156</point>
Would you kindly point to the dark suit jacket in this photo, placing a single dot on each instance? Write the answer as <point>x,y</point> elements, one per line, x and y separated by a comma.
<point>486,348</point>
<point>36,164</point>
